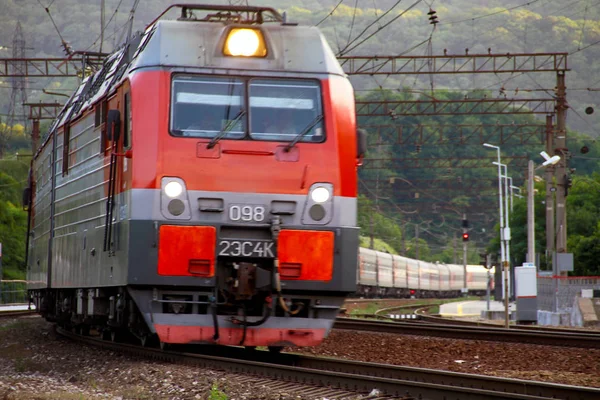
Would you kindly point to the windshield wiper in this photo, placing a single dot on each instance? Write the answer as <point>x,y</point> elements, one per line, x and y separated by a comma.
<point>225,130</point>
<point>304,132</point>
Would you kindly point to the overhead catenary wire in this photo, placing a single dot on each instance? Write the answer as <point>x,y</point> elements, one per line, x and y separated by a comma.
<point>583,26</point>
<point>490,14</point>
<point>381,28</point>
<point>330,13</point>
<point>65,45</point>
<point>376,21</point>
<point>353,20</point>
<point>106,26</point>
<point>583,48</point>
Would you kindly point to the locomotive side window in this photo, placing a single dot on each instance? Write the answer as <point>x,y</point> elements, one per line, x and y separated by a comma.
<point>282,109</point>
<point>203,107</point>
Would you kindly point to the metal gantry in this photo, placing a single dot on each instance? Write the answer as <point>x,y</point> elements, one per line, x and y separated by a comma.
<point>37,112</point>
<point>463,134</point>
<point>72,66</point>
<point>448,163</point>
<point>486,106</point>
<point>454,64</point>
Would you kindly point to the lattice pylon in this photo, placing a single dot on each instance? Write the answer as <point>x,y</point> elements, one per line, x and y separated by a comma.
<point>18,96</point>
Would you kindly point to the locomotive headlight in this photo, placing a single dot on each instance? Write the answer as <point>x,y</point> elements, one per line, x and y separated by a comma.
<point>318,209</point>
<point>173,189</point>
<point>245,42</point>
<point>320,194</point>
<point>174,202</point>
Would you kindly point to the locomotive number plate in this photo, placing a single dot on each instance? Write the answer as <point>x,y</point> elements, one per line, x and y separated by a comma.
<point>247,213</point>
<point>246,248</point>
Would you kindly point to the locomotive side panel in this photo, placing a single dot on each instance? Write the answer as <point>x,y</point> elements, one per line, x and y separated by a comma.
<point>80,208</point>
<point>37,271</point>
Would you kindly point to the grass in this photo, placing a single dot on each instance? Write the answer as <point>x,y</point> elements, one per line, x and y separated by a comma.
<point>216,394</point>
<point>369,309</point>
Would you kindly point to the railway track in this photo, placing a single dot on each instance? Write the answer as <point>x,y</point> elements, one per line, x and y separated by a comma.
<point>325,377</point>
<point>516,335</point>
<point>19,313</point>
<point>424,316</point>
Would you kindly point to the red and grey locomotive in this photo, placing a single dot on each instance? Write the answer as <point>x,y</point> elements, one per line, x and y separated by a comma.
<point>201,186</point>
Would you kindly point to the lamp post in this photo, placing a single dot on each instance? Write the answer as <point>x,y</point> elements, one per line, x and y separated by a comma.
<point>507,221</point>
<point>502,235</point>
<point>531,205</point>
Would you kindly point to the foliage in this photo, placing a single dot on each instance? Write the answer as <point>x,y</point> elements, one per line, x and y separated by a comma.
<point>378,245</point>
<point>13,220</point>
<point>380,225</point>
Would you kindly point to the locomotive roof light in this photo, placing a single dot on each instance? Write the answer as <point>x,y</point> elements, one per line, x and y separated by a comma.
<point>245,42</point>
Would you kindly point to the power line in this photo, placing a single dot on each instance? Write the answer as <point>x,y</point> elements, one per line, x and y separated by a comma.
<point>65,45</point>
<point>106,25</point>
<point>330,13</point>
<point>353,19</point>
<point>379,29</point>
<point>377,19</point>
<point>583,48</point>
<point>490,14</point>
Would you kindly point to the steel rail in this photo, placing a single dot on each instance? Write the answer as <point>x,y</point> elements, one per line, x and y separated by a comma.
<point>19,313</point>
<point>563,339</point>
<point>427,318</point>
<point>347,376</point>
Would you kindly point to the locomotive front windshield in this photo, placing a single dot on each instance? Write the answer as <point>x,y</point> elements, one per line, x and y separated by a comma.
<point>256,109</point>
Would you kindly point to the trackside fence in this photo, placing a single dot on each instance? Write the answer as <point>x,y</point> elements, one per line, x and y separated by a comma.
<point>558,293</point>
<point>13,292</point>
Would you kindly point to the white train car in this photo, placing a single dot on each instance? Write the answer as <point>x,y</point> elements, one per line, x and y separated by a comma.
<point>384,274</point>
<point>367,271</point>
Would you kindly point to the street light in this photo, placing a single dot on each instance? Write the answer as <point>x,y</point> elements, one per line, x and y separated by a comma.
<point>506,218</point>
<point>502,258</point>
<point>531,205</point>
<point>503,235</point>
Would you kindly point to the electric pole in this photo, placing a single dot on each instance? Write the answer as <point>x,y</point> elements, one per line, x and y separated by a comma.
<point>465,236</point>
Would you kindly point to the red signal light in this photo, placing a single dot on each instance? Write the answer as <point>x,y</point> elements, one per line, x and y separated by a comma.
<point>465,237</point>
<point>412,291</point>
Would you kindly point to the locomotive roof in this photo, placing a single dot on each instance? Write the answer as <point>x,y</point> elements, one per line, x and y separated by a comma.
<point>197,44</point>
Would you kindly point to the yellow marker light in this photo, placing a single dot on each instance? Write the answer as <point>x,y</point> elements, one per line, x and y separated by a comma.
<point>245,42</point>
